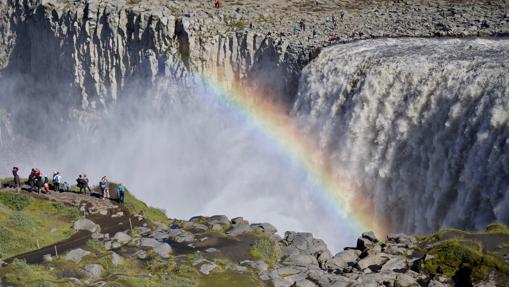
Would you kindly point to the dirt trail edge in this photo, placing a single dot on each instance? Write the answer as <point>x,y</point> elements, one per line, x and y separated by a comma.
<point>114,218</point>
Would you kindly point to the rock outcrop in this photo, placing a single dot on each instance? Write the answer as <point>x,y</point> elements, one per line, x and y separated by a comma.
<point>84,54</point>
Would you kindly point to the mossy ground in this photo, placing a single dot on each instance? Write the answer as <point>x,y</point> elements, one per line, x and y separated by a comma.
<point>264,248</point>
<point>479,253</point>
<point>134,205</point>
<point>25,221</point>
<point>176,271</point>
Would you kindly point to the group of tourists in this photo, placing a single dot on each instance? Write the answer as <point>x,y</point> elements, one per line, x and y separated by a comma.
<point>40,183</point>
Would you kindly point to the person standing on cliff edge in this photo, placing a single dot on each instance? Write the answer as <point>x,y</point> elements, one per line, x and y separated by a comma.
<point>121,193</point>
<point>17,182</point>
<point>57,178</point>
<point>103,185</point>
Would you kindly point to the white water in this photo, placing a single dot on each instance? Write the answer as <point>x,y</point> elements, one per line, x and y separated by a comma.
<point>422,124</point>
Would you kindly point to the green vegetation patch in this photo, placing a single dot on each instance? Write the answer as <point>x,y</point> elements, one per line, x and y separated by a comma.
<point>231,278</point>
<point>497,228</point>
<point>21,274</point>
<point>264,248</point>
<point>14,200</point>
<point>26,223</point>
<point>136,206</point>
<point>453,255</point>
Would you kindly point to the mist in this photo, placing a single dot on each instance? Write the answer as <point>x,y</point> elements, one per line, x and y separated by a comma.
<point>182,149</point>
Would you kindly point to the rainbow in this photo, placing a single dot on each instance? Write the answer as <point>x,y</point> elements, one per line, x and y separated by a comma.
<point>273,120</point>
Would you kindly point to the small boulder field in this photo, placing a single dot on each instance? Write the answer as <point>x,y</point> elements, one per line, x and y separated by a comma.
<point>80,240</point>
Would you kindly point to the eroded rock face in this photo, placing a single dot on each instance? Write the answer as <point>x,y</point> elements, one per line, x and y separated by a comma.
<point>85,54</point>
<point>92,50</point>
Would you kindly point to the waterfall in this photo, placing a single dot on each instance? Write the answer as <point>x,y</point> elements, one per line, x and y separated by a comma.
<point>422,124</point>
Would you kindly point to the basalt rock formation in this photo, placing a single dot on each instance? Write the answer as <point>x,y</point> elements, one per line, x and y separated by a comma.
<point>87,52</point>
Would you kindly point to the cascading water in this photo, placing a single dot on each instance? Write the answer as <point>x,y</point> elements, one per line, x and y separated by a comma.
<point>421,124</point>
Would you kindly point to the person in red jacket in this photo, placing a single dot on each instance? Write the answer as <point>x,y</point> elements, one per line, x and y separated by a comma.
<point>217,4</point>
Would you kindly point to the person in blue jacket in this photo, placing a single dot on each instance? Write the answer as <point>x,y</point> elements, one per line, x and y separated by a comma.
<point>121,193</point>
<point>57,179</point>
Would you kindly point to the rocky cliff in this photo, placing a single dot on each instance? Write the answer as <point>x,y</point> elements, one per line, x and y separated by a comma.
<point>92,50</point>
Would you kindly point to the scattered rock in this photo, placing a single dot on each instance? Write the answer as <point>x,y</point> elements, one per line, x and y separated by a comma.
<point>121,237</point>
<point>286,271</point>
<point>97,235</point>
<point>304,283</point>
<point>185,236</point>
<point>301,260</point>
<point>85,224</point>
<point>239,229</point>
<point>46,258</point>
<point>197,219</point>
<point>76,255</point>
<point>364,244</point>
<point>207,268</point>
<point>149,242</point>
<point>217,227</point>
<point>401,238</point>
<point>116,259</point>
<point>200,227</point>
<point>397,264</point>
<point>93,270</point>
<point>370,236</point>
<point>218,219</point>
<point>141,254</point>
<point>261,265</point>
<point>264,227</point>
<point>377,259</point>
<point>239,220</point>
<point>404,280</point>
<point>163,250</point>
<point>344,259</point>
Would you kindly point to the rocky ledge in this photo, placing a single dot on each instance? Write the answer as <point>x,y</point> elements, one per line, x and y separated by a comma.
<point>98,47</point>
<point>134,245</point>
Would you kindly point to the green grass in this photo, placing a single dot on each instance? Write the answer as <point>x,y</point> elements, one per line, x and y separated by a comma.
<point>264,249</point>
<point>452,255</point>
<point>497,228</point>
<point>231,278</point>
<point>491,229</point>
<point>136,206</point>
<point>21,274</point>
<point>15,201</point>
<point>24,221</point>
